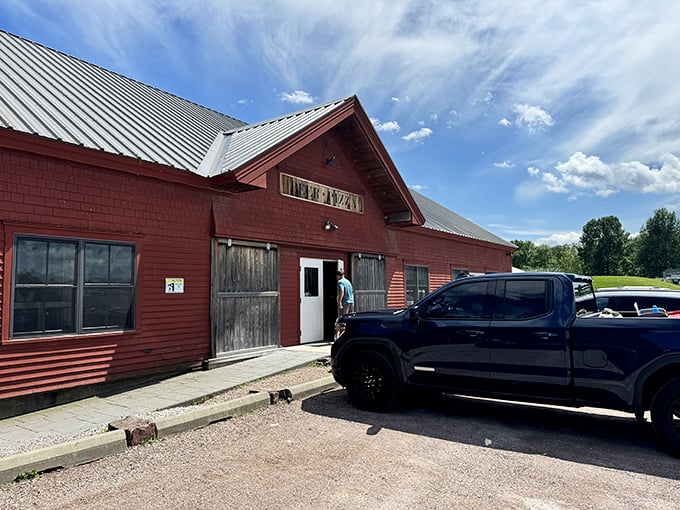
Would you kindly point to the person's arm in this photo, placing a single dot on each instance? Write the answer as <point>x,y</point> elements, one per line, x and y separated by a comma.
<point>341,294</point>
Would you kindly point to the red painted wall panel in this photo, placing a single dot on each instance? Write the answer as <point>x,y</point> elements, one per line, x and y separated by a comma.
<point>169,223</point>
<point>172,225</point>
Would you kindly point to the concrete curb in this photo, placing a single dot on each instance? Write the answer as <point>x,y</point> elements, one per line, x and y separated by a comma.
<point>88,449</point>
<point>204,416</point>
<point>68,454</point>
<point>304,390</point>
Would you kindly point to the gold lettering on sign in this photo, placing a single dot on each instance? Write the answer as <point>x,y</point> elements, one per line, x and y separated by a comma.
<point>321,194</point>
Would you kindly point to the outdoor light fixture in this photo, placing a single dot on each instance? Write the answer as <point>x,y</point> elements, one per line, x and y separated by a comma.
<point>329,161</point>
<point>329,226</point>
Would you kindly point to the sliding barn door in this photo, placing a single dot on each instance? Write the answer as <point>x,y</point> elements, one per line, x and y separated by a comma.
<point>245,297</point>
<point>369,278</point>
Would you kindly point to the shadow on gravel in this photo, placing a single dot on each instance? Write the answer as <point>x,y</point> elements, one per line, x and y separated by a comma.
<point>572,435</point>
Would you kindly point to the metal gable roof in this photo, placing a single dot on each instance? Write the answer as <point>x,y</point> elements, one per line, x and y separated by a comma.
<point>54,95</point>
<point>235,148</point>
<point>438,217</point>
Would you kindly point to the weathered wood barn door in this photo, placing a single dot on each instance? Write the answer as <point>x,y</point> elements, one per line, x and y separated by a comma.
<point>245,303</point>
<point>369,279</point>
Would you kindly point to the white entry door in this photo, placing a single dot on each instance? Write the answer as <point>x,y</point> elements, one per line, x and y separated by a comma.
<point>311,300</point>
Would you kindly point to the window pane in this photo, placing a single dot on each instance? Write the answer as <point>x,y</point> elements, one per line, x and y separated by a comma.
<point>411,285</point>
<point>417,286</point>
<point>59,309</point>
<point>44,309</point>
<point>107,307</point>
<point>526,298</point>
<point>423,283</point>
<point>459,273</point>
<point>61,263</point>
<point>121,264</point>
<point>96,263</point>
<point>31,261</point>
<point>27,310</point>
<point>461,302</point>
<point>311,281</point>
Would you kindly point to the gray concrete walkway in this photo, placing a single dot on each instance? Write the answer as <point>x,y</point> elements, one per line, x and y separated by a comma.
<point>95,412</point>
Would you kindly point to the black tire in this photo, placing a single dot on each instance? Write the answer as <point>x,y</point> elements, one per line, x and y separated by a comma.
<point>372,383</point>
<point>665,415</point>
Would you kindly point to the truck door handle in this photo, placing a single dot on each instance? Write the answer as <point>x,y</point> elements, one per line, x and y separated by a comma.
<point>544,335</point>
<point>473,333</point>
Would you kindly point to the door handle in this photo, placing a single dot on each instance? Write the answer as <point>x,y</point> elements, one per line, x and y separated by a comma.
<point>473,333</point>
<point>544,335</point>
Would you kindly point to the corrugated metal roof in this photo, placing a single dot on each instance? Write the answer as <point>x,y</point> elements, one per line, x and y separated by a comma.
<point>51,94</point>
<point>438,217</point>
<point>241,145</point>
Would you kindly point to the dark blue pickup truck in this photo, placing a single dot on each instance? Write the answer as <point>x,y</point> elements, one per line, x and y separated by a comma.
<point>533,337</point>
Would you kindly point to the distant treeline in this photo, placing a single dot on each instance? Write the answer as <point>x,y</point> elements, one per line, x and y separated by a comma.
<point>605,248</point>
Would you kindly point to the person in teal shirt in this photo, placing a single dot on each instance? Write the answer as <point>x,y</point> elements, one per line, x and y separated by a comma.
<point>345,294</point>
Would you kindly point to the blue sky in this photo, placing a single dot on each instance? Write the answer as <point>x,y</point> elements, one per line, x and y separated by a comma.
<point>529,118</point>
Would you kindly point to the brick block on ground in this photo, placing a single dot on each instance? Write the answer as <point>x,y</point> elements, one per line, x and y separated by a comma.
<point>137,430</point>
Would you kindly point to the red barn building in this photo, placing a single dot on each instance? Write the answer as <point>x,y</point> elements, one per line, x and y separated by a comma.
<point>142,234</point>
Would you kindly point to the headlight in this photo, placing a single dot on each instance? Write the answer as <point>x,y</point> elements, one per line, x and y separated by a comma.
<point>339,328</point>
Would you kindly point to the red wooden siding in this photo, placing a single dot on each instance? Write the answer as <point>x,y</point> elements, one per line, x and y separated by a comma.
<point>170,225</point>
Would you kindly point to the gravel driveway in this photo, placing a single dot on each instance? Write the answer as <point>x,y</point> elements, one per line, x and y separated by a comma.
<point>323,453</point>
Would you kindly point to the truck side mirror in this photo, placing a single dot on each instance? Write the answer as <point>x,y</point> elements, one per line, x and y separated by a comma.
<point>414,317</point>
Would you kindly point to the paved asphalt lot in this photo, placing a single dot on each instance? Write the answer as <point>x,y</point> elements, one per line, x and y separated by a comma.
<point>322,453</point>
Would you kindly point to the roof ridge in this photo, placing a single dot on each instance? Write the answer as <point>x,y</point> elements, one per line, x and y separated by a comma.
<point>288,115</point>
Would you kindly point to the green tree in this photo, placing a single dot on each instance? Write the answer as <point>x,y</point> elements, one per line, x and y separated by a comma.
<point>543,259</point>
<point>631,255</point>
<point>532,257</point>
<point>602,246</point>
<point>523,257</point>
<point>566,258</point>
<point>659,244</point>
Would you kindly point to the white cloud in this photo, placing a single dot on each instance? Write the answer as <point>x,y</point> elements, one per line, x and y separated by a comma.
<point>504,164</point>
<point>389,126</point>
<point>505,122</point>
<point>537,235</point>
<point>558,238</point>
<point>421,134</point>
<point>297,97</point>
<point>533,118</point>
<point>533,171</point>
<point>418,187</point>
<point>553,183</point>
<point>589,175</point>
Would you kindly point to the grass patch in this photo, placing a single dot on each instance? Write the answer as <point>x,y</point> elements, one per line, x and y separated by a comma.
<point>30,475</point>
<point>622,281</point>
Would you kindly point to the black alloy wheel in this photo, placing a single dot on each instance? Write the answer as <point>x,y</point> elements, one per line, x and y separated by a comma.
<point>373,384</point>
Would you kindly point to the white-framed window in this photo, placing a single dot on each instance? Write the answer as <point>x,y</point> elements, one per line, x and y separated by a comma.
<point>417,283</point>
<point>71,286</point>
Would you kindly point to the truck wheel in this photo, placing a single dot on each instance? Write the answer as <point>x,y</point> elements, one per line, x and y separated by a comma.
<point>372,384</point>
<point>665,415</point>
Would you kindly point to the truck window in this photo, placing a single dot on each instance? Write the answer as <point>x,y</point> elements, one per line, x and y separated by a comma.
<point>526,299</point>
<point>466,301</point>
